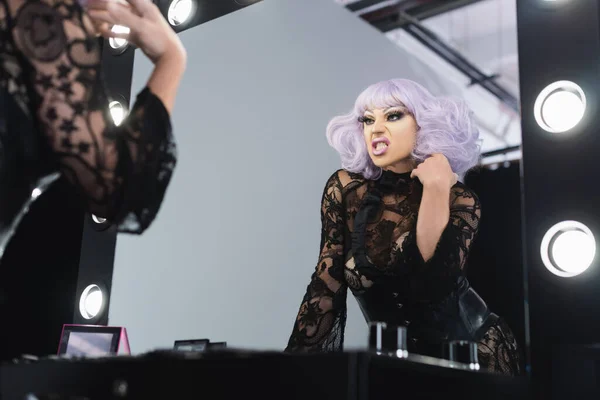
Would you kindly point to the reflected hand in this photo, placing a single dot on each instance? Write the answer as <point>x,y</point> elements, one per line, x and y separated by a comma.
<point>148,29</point>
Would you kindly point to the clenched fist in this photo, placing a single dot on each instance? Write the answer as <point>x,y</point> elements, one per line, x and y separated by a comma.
<point>435,171</point>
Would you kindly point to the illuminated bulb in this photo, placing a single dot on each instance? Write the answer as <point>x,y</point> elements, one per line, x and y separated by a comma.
<point>573,251</point>
<point>568,249</point>
<point>98,220</point>
<point>117,112</point>
<point>118,43</point>
<point>559,107</point>
<point>180,11</point>
<point>91,302</point>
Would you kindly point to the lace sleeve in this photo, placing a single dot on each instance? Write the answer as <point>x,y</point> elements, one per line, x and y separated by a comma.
<point>321,320</point>
<point>435,278</point>
<point>121,171</point>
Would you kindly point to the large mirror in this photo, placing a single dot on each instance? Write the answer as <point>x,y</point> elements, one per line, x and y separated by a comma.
<point>239,234</point>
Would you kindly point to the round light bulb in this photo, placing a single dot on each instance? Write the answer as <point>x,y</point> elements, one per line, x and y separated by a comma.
<point>118,112</point>
<point>560,106</point>
<point>180,11</point>
<point>573,251</point>
<point>91,301</point>
<point>118,43</point>
<point>568,249</point>
<point>98,220</point>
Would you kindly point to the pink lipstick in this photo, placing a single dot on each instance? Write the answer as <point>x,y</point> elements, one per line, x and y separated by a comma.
<point>380,146</point>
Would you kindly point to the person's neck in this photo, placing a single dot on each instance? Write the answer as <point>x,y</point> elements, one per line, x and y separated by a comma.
<point>401,167</point>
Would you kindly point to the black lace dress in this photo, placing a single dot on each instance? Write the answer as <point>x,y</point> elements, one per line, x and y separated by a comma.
<point>52,93</point>
<point>390,279</point>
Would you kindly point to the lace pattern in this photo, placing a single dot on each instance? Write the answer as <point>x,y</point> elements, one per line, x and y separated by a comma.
<point>391,249</point>
<point>322,317</point>
<point>50,63</point>
<point>498,351</point>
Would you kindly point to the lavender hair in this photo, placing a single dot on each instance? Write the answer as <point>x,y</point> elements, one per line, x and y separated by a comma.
<point>446,126</point>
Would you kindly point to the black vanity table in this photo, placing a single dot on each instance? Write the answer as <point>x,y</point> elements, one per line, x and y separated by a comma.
<point>232,374</point>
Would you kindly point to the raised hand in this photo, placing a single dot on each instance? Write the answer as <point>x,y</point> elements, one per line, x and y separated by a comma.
<point>435,171</point>
<point>148,29</point>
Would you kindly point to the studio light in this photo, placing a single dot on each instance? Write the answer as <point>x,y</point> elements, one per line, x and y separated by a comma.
<point>559,107</point>
<point>568,249</point>
<point>98,220</point>
<point>180,11</point>
<point>91,301</point>
<point>117,43</point>
<point>118,112</point>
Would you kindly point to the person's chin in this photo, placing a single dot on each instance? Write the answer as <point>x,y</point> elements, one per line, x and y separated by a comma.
<point>380,162</point>
<point>384,162</point>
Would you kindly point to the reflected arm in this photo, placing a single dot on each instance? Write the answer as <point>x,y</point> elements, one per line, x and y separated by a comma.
<point>122,171</point>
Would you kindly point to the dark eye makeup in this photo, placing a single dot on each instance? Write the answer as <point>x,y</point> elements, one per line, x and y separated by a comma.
<point>391,115</point>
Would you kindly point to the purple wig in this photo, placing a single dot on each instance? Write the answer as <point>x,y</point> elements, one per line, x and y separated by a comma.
<point>446,126</point>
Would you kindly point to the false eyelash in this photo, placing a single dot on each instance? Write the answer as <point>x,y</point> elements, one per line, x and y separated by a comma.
<point>399,114</point>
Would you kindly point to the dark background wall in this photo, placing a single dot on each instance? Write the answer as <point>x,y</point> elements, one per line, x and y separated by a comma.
<point>495,266</point>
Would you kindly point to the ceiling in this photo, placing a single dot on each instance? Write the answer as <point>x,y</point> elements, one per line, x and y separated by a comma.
<point>484,33</point>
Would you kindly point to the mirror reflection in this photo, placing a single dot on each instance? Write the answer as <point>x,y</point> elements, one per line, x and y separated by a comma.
<point>397,226</point>
<point>334,185</point>
<point>301,177</point>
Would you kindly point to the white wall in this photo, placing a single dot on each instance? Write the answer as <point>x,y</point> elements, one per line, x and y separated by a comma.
<point>237,238</point>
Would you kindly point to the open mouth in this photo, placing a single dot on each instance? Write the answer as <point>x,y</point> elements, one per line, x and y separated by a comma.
<point>380,146</point>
